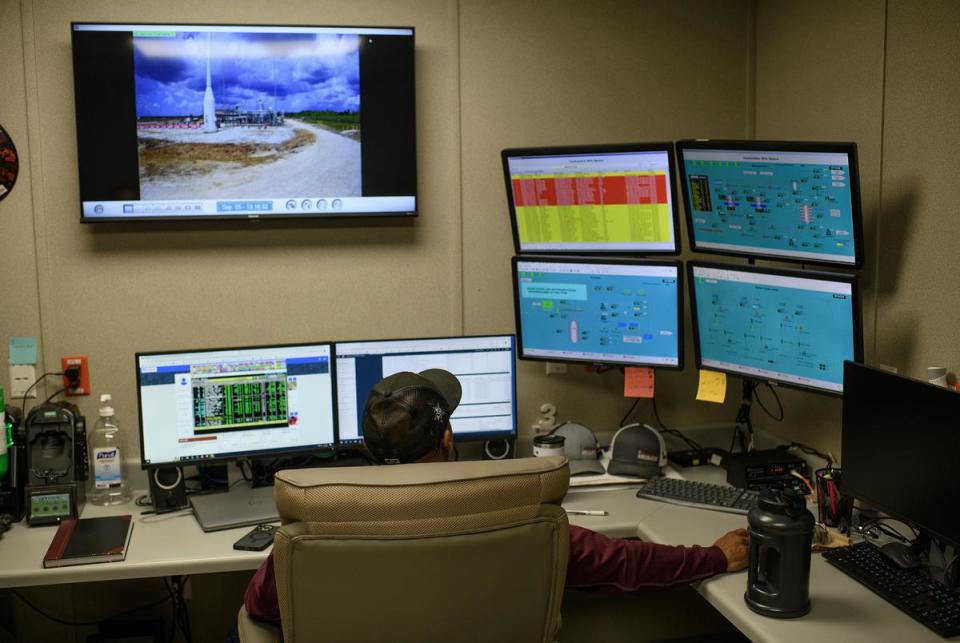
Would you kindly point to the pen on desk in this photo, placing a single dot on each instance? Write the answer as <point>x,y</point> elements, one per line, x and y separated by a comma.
<point>586,512</point>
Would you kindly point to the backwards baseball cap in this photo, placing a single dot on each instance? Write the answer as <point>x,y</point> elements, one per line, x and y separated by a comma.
<point>581,447</point>
<point>407,413</point>
<point>637,450</point>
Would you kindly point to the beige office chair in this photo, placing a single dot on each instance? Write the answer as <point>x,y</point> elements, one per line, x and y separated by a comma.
<point>458,551</point>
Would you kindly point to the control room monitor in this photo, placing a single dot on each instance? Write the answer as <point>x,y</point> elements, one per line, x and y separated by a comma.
<point>784,326</point>
<point>218,121</point>
<point>773,199</point>
<point>900,445</point>
<point>614,311</point>
<point>203,406</point>
<point>593,199</point>
<point>485,367</point>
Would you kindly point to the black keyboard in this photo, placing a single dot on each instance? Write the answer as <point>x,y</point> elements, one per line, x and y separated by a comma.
<point>912,591</point>
<point>703,495</point>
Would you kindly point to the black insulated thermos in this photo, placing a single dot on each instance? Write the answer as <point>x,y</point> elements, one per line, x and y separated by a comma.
<point>778,575</point>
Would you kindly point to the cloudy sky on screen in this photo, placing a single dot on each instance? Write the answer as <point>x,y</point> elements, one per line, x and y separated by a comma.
<point>289,72</point>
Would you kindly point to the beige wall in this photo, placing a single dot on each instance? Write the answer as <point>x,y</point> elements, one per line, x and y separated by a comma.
<point>918,283</point>
<point>586,72</point>
<point>882,74</point>
<point>819,71</point>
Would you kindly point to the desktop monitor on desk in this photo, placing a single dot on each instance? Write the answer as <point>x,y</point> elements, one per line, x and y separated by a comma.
<point>484,365</point>
<point>791,327</point>
<point>793,201</point>
<point>899,444</point>
<point>593,199</point>
<point>218,405</point>
<point>604,310</point>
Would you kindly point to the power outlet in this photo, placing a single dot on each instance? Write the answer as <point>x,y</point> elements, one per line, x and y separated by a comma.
<point>22,376</point>
<point>79,361</point>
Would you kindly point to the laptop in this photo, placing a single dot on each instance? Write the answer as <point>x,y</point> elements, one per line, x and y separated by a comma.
<point>238,507</point>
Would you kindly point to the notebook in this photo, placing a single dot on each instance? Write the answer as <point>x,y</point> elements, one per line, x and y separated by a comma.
<point>90,540</point>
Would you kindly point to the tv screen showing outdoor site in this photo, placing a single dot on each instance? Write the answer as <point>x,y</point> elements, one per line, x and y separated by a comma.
<point>218,121</point>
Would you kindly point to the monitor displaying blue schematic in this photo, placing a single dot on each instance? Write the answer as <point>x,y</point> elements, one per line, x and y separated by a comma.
<point>484,365</point>
<point>618,311</point>
<point>785,200</point>
<point>784,326</point>
<point>222,404</point>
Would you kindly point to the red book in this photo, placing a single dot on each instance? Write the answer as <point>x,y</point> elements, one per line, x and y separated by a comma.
<point>90,540</point>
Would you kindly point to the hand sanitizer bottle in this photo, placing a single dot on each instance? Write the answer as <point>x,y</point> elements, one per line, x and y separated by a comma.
<point>109,483</point>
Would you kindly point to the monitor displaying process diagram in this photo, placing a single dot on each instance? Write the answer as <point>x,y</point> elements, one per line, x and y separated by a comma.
<point>598,310</point>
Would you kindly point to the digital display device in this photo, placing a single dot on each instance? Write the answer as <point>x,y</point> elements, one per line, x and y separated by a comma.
<point>243,121</point>
<point>900,445</point>
<point>784,326</point>
<point>593,199</point>
<point>485,367</point>
<point>204,406</point>
<point>796,201</point>
<point>617,311</point>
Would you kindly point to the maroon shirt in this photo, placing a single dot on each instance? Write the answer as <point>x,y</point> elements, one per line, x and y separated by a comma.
<point>596,561</point>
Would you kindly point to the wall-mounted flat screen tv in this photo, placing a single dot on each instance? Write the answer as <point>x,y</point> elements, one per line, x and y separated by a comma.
<point>241,121</point>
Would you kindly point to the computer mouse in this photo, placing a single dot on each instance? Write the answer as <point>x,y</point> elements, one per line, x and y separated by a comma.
<point>900,555</point>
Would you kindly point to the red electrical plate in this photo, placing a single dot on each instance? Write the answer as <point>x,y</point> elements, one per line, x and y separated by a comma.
<point>81,361</point>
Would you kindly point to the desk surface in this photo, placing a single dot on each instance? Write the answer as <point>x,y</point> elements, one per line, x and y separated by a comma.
<point>841,608</point>
<point>170,544</point>
<point>160,545</point>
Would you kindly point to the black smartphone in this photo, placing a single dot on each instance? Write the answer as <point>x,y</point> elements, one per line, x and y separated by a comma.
<point>257,539</point>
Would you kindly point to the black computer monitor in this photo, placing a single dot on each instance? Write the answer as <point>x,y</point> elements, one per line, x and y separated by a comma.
<point>217,405</point>
<point>230,121</point>
<point>795,201</point>
<point>602,310</point>
<point>485,366</point>
<point>786,326</point>
<point>899,447</point>
<point>593,199</point>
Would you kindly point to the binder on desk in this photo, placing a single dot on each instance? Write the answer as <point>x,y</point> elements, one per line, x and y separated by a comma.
<point>90,540</point>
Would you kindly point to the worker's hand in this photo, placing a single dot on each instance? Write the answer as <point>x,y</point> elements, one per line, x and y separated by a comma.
<point>735,545</point>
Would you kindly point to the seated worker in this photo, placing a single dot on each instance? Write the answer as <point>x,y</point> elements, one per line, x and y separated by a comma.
<point>407,419</point>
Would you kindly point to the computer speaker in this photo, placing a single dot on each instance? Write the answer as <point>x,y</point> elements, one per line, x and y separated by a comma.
<point>496,449</point>
<point>167,491</point>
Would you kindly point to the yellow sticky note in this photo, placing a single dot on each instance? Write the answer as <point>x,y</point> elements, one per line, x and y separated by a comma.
<point>713,386</point>
<point>637,381</point>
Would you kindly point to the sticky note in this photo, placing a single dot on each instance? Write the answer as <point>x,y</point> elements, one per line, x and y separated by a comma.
<point>713,386</point>
<point>637,382</point>
<point>23,350</point>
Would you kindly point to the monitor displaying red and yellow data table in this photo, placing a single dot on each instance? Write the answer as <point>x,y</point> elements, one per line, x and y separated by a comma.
<point>593,199</point>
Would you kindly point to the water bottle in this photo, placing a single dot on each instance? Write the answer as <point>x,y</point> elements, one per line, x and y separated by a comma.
<point>778,574</point>
<point>109,482</point>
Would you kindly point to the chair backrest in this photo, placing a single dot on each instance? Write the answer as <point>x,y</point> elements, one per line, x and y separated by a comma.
<point>460,551</point>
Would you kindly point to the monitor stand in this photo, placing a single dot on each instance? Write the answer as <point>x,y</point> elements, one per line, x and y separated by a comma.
<point>743,423</point>
<point>240,506</point>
